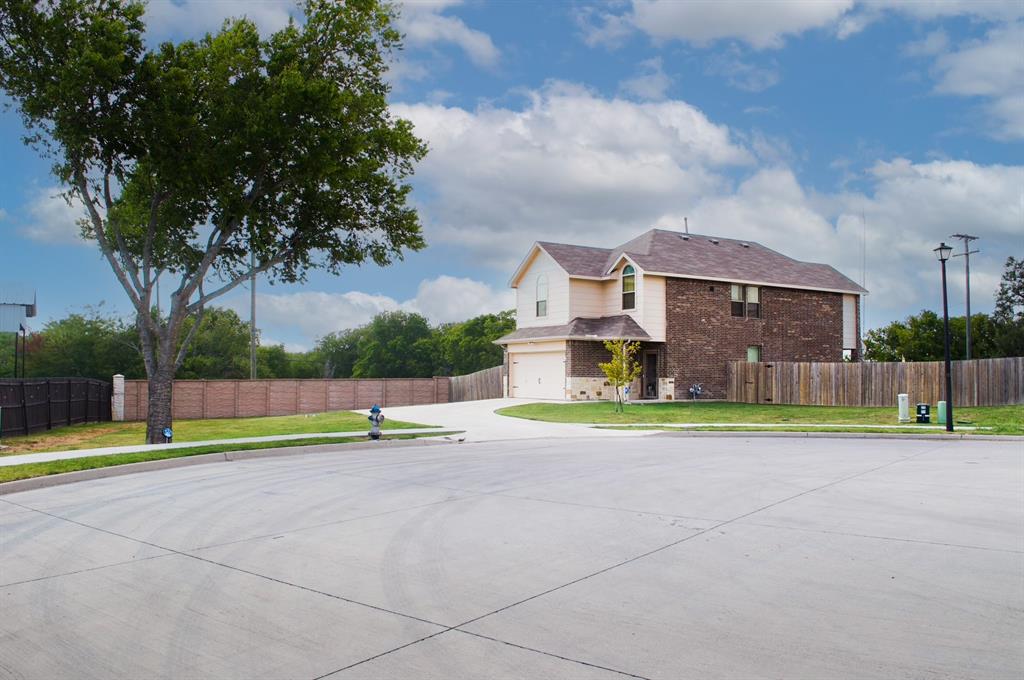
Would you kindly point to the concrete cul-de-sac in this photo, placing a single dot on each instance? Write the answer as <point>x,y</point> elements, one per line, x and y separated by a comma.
<point>589,557</point>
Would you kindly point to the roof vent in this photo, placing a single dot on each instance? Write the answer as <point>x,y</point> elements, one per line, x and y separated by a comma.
<point>714,240</point>
<point>685,237</point>
<point>745,245</point>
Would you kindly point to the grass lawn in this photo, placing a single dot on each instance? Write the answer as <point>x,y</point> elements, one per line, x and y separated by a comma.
<point>1001,419</point>
<point>12,473</point>
<point>94,435</point>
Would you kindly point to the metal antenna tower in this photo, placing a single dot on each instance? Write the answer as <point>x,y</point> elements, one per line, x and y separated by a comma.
<point>967,238</point>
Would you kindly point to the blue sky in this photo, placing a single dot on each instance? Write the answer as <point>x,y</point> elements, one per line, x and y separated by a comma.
<point>812,127</point>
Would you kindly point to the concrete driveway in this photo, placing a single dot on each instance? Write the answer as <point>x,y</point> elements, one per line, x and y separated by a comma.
<point>481,423</point>
<point>654,557</point>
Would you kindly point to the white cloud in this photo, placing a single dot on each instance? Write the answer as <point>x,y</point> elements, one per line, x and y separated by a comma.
<point>993,68</point>
<point>423,24</point>
<point>603,28</point>
<point>767,24</point>
<point>741,74</point>
<point>928,46</point>
<point>316,313</point>
<point>450,298</point>
<point>52,219</point>
<point>194,18</point>
<point>702,22</point>
<point>651,82</point>
<point>764,26</point>
<point>569,165</point>
<point>924,10</point>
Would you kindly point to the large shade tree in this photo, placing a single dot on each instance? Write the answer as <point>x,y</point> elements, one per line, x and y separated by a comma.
<point>201,162</point>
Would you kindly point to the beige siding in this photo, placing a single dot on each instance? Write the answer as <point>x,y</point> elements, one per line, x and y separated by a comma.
<point>558,294</point>
<point>587,298</point>
<point>572,298</point>
<point>653,307</point>
<point>613,296</point>
<point>850,322</point>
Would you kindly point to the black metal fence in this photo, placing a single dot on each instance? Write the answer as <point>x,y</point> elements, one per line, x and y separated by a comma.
<point>32,405</point>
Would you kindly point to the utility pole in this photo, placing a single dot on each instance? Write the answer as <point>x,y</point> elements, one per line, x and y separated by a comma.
<point>252,313</point>
<point>967,238</point>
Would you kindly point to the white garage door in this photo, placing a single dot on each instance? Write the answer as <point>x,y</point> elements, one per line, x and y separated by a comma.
<point>537,375</point>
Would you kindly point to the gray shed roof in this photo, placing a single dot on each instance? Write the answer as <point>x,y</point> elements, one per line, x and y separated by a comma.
<point>619,327</point>
<point>16,294</point>
<point>697,256</point>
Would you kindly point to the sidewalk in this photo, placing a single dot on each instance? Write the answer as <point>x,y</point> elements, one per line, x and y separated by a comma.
<point>108,450</point>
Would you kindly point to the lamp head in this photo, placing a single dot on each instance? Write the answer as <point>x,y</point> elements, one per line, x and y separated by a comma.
<point>943,252</point>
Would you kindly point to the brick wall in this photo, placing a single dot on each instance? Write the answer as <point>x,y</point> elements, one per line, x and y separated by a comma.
<point>582,358</point>
<point>702,335</point>
<point>196,399</point>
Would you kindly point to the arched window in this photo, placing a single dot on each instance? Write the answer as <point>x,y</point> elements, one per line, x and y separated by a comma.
<point>542,295</point>
<point>628,287</point>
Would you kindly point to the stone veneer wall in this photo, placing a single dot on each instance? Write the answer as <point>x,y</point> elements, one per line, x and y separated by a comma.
<point>702,335</point>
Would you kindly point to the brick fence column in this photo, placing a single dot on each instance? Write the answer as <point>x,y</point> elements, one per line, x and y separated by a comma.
<point>117,398</point>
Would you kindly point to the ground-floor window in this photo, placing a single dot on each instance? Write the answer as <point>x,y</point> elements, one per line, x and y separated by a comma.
<point>754,353</point>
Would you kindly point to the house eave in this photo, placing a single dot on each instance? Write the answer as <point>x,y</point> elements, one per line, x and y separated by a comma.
<point>588,338</point>
<point>766,284</point>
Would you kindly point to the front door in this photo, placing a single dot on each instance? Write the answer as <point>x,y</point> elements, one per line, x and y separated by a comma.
<point>649,376</point>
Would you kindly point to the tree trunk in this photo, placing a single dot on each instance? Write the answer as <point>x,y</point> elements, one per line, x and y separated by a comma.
<point>161,387</point>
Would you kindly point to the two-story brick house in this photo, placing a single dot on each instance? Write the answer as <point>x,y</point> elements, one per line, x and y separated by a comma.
<point>693,302</point>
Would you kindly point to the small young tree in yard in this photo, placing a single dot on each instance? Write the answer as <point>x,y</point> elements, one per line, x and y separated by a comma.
<point>194,160</point>
<point>622,369</point>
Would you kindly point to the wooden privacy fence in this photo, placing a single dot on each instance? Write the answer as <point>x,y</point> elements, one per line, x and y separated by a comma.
<point>32,405</point>
<point>284,397</point>
<point>979,382</point>
<point>485,384</point>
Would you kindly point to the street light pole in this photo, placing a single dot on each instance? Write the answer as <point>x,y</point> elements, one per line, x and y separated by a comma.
<point>943,252</point>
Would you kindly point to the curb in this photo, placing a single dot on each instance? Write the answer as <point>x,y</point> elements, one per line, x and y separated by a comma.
<point>841,435</point>
<point>202,459</point>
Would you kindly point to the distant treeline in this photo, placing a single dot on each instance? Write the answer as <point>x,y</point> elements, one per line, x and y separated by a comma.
<point>392,345</point>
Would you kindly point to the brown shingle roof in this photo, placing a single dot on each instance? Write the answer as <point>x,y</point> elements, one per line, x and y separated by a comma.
<point>578,260</point>
<point>617,327</point>
<point>698,256</point>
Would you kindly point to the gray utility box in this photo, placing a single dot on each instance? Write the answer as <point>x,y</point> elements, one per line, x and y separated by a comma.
<point>924,413</point>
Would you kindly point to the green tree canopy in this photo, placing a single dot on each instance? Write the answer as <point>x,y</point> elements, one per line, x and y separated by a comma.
<point>396,345</point>
<point>921,338</point>
<point>1009,311</point>
<point>339,352</point>
<point>220,347</point>
<point>84,345</point>
<point>469,346</point>
<point>195,159</point>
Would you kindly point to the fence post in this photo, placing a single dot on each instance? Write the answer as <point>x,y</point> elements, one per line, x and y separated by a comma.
<point>24,405</point>
<point>49,406</point>
<point>117,399</point>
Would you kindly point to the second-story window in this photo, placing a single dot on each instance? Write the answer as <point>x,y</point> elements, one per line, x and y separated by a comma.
<point>542,295</point>
<point>753,302</point>
<point>628,287</point>
<point>746,301</point>
<point>737,300</point>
